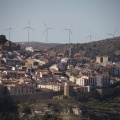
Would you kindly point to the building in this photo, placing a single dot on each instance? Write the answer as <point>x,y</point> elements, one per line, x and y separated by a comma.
<point>14,74</point>
<point>12,89</point>
<point>102,80</point>
<point>50,86</point>
<point>83,89</point>
<point>2,89</point>
<point>98,59</point>
<point>105,58</point>
<point>86,81</point>
<point>68,90</point>
<point>31,63</point>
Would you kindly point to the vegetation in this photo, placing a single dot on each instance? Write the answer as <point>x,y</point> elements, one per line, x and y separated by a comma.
<point>8,108</point>
<point>110,47</point>
<point>26,110</point>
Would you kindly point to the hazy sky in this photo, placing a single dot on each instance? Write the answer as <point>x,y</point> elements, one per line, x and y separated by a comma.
<point>100,16</point>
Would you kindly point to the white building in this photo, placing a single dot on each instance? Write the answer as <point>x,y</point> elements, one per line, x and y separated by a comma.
<point>86,81</point>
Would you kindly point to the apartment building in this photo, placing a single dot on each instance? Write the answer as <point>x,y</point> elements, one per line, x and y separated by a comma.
<point>86,81</point>
<point>13,89</point>
<point>102,80</point>
<point>14,73</point>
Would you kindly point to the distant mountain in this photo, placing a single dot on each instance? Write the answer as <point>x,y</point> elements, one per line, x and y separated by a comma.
<point>37,45</point>
<point>109,46</point>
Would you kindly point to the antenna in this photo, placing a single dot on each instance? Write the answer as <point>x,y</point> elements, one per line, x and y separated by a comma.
<point>29,27</point>
<point>9,30</point>
<point>113,34</point>
<point>46,30</point>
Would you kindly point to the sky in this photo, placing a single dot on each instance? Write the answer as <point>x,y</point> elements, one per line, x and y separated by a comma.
<point>87,17</point>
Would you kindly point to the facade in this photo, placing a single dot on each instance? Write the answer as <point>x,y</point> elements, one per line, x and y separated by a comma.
<point>68,90</point>
<point>15,74</point>
<point>31,63</point>
<point>12,62</point>
<point>83,89</point>
<point>13,89</point>
<point>102,80</point>
<point>86,81</point>
<point>98,59</point>
<point>50,86</point>
<point>105,58</point>
<point>114,71</point>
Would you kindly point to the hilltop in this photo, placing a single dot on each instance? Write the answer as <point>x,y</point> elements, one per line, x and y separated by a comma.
<point>109,47</point>
<point>37,45</point>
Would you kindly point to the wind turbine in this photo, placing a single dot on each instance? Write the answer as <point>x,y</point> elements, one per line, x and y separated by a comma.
<point>69,32</point>
<point>113,33</point>
<point>90,36</point>
<point>46,30</point>
<point>29,27</point>
<point>10,29</point>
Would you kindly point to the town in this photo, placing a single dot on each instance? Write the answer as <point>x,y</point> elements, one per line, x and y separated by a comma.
<point>31,71</point>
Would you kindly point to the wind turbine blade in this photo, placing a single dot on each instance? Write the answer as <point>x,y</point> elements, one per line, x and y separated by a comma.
<point>12,29</point>
<point>45,25</point>
<point>31,28</point>
<point>115,31</point>
<point>87,37</point>
<point>109,34</point>
<point>51,28</point>
<point>29,23</point>
<point>70,31</point>
<point>93,36</point>
<point>65,29</point>
<point>45,31</point>
<point>26,28</point>
<point>6,29</point>
<point>71,25</point>
<point>89,32</point>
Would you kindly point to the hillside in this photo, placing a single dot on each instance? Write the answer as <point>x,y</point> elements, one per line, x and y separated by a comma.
<point>37,45</point>
<point>110,47</point>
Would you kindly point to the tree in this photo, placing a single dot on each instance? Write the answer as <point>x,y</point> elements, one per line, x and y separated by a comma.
<point>26,110</point>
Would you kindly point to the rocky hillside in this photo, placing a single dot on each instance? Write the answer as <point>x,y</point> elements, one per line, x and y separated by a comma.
<point>110,47</point>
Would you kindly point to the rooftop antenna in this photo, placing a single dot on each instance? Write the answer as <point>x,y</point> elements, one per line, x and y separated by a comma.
<point>113,33</point>
<point>46,30</point>
<point>69,33</point>
<point>9,30</point>
<point>29,27</point>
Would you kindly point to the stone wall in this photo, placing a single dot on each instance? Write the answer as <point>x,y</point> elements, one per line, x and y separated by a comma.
<point>36,96</point>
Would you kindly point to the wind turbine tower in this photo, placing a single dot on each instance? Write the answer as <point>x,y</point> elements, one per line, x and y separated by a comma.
<point>29,27</point>
<point>90,36</point>
<point>69,33</point>
<point>46,30</point>
<point>10,29</point>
